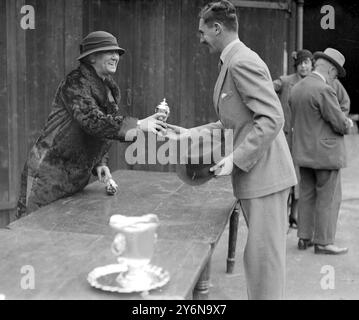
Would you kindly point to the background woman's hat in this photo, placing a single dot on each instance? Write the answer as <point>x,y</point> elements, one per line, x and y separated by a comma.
<point>334,57</point>
<point>98,41</point>
<point>301,55</point>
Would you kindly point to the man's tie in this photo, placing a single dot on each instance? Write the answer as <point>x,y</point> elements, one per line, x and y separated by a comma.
<point>220,63</point>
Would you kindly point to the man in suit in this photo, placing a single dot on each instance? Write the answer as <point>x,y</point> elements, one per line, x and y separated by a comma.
<point>260,164</point>
<point>319,126</point>
<point>303,64</point>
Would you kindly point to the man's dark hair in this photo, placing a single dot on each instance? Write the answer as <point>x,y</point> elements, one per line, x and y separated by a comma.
<point>223,12</point>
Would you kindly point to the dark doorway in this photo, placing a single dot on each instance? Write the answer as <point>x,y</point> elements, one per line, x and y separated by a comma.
<point>344,37</point>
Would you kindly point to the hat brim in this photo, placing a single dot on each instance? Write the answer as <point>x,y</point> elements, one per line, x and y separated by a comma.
<point>193,168</point>
<point>109,48</point>
<point>341,70</point>
<point>194,174</point>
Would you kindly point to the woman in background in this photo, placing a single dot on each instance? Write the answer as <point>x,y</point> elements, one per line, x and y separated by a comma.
<point>303,65</point>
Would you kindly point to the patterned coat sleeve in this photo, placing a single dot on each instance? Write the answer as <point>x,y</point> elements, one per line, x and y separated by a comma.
<point>91,117</point>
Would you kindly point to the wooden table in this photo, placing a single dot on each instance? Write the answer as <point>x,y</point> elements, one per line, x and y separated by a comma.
<point>194,214</point>
<point>38,264</point>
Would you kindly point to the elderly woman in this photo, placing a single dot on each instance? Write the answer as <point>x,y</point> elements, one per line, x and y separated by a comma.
<point>85,117</point>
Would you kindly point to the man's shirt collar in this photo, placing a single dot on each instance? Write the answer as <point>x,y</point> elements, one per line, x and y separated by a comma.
<point>228,47</point>
<point>320,75</point>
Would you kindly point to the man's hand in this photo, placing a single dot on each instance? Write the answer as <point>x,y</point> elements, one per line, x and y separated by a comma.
<point>103,173</point>
<point>223,167</point>
<point>176,132</point>
<point>351,123</point>
<point>153,124</point>
<point>177,129</point>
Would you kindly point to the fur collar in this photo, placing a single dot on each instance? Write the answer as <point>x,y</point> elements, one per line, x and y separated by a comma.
<point>99,90</point>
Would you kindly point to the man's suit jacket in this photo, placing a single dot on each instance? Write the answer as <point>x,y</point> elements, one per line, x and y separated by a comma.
<point>342,96</point>
<point>283,87</point>
<point>319,125</point>
<point>245,101</point>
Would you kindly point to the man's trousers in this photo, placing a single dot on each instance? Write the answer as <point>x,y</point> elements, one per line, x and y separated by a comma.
<point>319,203</point>
<point>265,251</point>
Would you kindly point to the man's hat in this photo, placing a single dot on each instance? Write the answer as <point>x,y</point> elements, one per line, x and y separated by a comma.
<point>334,57</point>
<point>98,41</point>
<point>194,166</point>
<point>194,174</point>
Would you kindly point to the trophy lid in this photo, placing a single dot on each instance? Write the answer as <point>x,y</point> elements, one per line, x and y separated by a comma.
<point>164,103</point>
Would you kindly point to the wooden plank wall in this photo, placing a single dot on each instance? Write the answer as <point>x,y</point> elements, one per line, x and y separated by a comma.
<point>266,32</point>
<point>4,148</point>
<point>13,100</point>
<point>34,63</point>
<point>51,49</point>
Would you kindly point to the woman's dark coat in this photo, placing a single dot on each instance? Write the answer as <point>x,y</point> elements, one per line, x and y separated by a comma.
<point>75,140</point>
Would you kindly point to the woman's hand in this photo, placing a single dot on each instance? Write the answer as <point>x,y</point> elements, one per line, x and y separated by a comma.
<point>103,173</point>
<point>153,124</point>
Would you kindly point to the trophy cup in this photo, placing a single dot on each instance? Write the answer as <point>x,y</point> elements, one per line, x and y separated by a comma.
<point>164,109</point>
<point>133,246</point>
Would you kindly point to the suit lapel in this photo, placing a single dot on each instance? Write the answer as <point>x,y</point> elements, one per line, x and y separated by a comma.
<point>222,75</point>
<point>218,86</point>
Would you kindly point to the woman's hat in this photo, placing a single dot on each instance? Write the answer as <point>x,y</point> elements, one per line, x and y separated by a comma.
<point>98,41</point>
<point>334,57</point>
<point>301,55</point>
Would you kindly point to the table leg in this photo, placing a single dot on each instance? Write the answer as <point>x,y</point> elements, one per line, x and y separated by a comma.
<point>201,291</point>
<point>232,240</point>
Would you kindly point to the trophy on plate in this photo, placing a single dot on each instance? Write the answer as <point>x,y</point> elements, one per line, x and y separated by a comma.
<point>133,246</point>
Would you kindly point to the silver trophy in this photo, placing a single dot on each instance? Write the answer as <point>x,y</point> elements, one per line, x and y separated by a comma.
<point>164,109</point>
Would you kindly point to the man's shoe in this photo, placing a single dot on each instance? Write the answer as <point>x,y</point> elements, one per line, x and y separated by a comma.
<point>329,249</point>
<point>304,244</point>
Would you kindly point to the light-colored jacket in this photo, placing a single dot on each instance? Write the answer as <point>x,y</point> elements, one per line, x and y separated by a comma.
<point>245,101</point>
